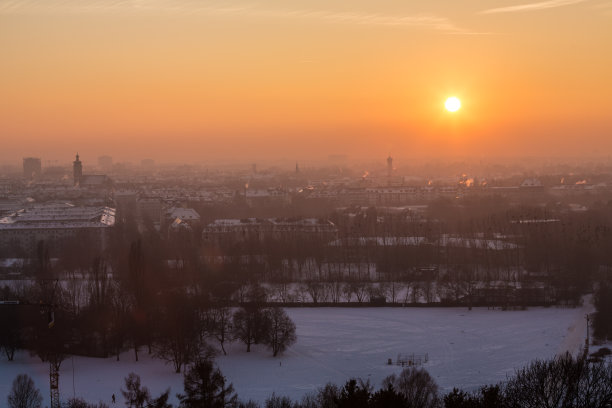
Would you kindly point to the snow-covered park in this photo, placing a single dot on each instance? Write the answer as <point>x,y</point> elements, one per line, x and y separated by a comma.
<point>466,349</point>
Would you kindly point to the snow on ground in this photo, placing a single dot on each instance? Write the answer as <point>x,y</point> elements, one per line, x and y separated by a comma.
<point>466,349</point>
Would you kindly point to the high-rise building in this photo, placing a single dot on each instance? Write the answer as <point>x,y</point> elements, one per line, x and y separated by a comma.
<point>31,168</point>
<point>389,166</point>
<point>77,170</point>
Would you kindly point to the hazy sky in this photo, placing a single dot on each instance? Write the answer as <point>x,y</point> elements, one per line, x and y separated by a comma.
<point>203,80</point>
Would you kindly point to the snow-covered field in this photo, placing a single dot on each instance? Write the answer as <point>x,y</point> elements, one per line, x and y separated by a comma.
<point>466,349</point>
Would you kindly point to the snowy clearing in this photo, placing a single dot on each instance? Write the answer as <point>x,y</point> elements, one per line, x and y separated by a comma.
<point>466,349</point>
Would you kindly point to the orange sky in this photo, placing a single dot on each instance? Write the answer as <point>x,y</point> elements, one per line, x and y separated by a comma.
<point>211,80</point>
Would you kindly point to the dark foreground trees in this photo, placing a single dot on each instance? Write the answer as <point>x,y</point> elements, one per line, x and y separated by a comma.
<point>24,393</point>
<point>488,397</point>
<point>81,403</point>
<point>205,387</point>
<point>417,386</point>
<point>561,382</point>
<point>138,396</point>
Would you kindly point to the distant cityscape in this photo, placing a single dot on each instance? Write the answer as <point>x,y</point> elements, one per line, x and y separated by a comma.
<point>50,203</point>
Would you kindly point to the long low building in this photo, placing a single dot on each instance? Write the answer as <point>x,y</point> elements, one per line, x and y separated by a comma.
<point>237,230</point>
<point>54,223</point>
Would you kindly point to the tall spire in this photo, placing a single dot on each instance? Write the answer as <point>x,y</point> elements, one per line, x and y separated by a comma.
<point>77,170</point>
<point>389,169</point>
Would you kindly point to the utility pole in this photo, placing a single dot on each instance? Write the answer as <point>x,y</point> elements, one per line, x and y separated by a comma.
<point>586,341</point>
<point>588,320</point>
<point>53,366</point>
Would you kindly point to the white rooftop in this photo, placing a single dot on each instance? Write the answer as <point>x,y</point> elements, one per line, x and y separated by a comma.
<point>59,216</point>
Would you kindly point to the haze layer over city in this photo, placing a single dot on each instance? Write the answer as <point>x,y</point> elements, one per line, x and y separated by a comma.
<point>305,204</point>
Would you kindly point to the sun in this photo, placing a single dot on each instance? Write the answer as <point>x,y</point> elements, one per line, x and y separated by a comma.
<point>452,104</point>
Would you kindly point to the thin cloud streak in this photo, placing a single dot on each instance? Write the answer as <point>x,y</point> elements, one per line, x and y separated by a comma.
<point>532,6</point>
<point>423,21</point>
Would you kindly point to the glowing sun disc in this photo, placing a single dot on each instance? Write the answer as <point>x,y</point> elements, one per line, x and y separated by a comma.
<point>452,104</point>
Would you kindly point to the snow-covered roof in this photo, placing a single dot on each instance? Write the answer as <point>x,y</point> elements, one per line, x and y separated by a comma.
<point>537,221</point>
<point>186,214</point>
<point>381,241</point>
<point>301,221</point>
<point>476,243</point>
<point>531,182</point>
<point>235,222</point>
<point>179,224</point>
<point>59,216</point>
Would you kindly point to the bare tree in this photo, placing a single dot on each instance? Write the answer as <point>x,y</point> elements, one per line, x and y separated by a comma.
<point>316,290</point>
<point>120,305</point>
<point>24,393</point>
<point>221,325</point>
<point>81,403</point>
<point>10,335</point>
<point>550,384</point>
<point>179,341</point>
<point>249,325</point>
<point>249,322</point>
<point>136,396</point>
<point>417,386</point>
<point>335,290</point>
<point>276,401</point>
<point>595,386</point>
<point>281,333</point>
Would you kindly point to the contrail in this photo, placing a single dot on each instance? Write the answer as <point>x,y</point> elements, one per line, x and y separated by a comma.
<point>532,6</point>
<point>424,21</point>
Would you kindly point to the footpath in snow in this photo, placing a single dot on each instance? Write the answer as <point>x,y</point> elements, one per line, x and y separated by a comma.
<point>574,340</point>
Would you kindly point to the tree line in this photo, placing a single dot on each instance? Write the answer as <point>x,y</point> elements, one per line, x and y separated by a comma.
<point>476,249</point>
<point>561,382</point>
<point>140,308</point>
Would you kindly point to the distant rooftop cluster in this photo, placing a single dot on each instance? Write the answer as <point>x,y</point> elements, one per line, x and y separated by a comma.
<point>59,216</point>
<point>260,228</point>
<point>55,223</point>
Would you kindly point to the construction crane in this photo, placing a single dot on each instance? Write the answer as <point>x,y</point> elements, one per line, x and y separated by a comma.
<point>53,366</point>
<point>49,310</point>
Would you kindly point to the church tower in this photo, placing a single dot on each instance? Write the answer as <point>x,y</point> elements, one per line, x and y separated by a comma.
<point>77,170</point>
<point>389,170</point>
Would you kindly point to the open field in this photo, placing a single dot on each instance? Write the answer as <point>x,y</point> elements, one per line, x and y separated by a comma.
<point>466,349</point>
